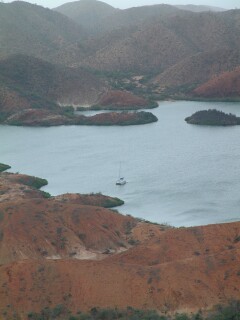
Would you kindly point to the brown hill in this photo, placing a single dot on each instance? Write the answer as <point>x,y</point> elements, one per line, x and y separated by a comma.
<point>183,283</point>
<point>161,42</point>
<point>144,51</point>
<point>55,251</point>
<point>208,31</point>
<point>55,230</point>
<point>145,41</point>
<point>196,69</point>
<point>33,30</point>
<point>33,227</point>
<point>122,100</point>
<point>138,16</point>
<point>35,92</point>
<point>28,82</point>
<point>226,85</point>
<point>87,13</point>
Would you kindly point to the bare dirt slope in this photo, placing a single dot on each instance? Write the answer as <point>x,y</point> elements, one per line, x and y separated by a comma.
<point>226,85</point>
<point>61,251</point>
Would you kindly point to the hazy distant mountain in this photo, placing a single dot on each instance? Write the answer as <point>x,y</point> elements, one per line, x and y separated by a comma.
<point>156,46</point>
<point>30,29</point>
<point>98,17</point>
<point>173,47</point>
<point>142,51</point>
<point>138,16</point>
<point>87,13</point>
<point>199,8</point>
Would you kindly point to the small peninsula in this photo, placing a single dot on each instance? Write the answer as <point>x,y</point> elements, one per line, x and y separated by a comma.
<point>213,117</point>
<point>46,118</point>
<point>4,167</point>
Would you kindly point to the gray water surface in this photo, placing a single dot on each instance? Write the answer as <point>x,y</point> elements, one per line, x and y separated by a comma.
<point>177,173</point>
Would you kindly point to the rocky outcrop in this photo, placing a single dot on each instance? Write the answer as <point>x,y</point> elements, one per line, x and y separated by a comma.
<point>213,117</point>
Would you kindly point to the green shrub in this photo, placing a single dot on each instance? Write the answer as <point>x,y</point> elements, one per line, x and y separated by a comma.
<point>181,317</point>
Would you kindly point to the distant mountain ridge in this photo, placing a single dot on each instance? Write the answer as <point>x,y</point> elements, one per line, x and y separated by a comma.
<point>199,8</point>
<point>161,43</point>
<point>33,30</point>
<point>87,13</point>
<point>165,46</point>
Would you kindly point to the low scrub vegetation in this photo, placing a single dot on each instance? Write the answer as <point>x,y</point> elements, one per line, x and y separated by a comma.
<point>34,182</point>
<point>112,202</point>
<point>229,312</point>
<point>213,117</point>
<point>4,167</point>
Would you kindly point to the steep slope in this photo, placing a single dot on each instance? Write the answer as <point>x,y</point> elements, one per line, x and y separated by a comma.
<point>143,51</point>
<point>87,13</point>
<point>208,31</point>
<point>59,251</point>
<point>55,230</point>
<point>76,227</point>
<point>121,24</point>
<point>30,29</point>
<point>29,82</point>
<point>161,42</point>
<point>226,85</point>
<point>195,70</point>
<point>182,285</point>
<point>37,93</point>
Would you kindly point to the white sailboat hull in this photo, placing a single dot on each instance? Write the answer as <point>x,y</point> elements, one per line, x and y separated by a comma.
<point>121,182</point>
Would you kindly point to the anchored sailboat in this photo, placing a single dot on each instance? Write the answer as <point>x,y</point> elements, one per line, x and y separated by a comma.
<point>121,181</point>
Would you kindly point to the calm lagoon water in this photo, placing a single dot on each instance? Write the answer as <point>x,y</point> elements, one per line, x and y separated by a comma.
<point>177,173</point>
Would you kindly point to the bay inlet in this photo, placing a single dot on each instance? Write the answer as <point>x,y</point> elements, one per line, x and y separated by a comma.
<point>176,173</point>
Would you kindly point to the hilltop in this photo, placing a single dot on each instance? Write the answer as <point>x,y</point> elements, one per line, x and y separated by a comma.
<point>33,30</point>
<point>200,8</point>
<point>87,13</point>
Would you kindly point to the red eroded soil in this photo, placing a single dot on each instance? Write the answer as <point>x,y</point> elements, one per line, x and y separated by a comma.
<point>82,256</point>
<point>122,99</point>
<point>224,86</point>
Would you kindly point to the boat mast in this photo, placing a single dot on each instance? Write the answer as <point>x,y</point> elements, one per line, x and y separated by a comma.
<point>120,170</point>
